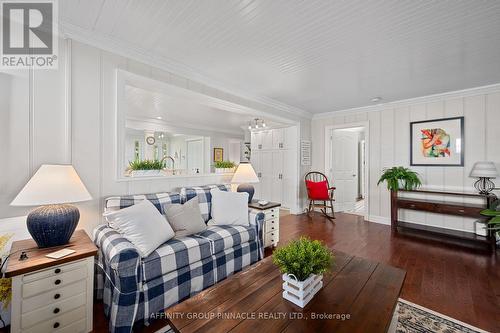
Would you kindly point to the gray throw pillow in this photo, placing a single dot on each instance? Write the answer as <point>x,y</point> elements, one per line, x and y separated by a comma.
<point>185,219</point>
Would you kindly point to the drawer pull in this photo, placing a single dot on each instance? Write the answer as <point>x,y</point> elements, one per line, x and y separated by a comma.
<point>56,296</point>
<point>58,281</point>
<point>56,310</point>
<point>57,270</point>
<point>461,211</point>
<point>412,206</point>
<point>272,228</point>
<point>56,325</point>
<point>272,234</point>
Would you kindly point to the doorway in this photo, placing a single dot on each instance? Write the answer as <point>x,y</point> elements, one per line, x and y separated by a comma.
<point>346,166</point>
<point>195,156</point>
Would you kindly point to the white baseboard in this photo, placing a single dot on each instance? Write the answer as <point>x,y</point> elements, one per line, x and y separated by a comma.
<point>379,219</point>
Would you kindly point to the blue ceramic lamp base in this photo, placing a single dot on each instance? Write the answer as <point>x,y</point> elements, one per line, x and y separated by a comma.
<point>52,225</point>
<point>248,188</point>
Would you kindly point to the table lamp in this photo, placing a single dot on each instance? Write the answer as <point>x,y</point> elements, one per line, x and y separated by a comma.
<point>244,176</point>
<point>52,187</point>
<point>484,170</point>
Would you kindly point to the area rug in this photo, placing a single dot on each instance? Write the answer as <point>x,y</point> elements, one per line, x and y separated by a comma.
<point>413,318</point>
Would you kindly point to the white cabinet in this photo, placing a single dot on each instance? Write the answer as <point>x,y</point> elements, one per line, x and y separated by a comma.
<point>55,299</point>
<point>278,138</point>
<point>256,141</point>
<point>275,160</point>
<point>276,179</point>
<point>261,140</point>
<point>271,223</point>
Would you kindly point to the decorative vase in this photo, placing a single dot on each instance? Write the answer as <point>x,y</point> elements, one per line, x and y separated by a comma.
<point>301,292</point>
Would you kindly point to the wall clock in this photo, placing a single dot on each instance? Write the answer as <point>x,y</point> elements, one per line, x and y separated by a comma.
<point>150,140</point>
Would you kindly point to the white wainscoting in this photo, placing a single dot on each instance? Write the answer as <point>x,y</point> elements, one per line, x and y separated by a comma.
<point>390,142</point>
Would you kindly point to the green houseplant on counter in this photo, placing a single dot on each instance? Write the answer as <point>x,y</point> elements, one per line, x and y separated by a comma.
<point>400,178</point>
<point>224,166</point>
<point>144,168</point>
<point>303,263</point>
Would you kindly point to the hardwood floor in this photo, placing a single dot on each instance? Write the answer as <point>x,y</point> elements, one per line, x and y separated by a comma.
<point>458,282</point>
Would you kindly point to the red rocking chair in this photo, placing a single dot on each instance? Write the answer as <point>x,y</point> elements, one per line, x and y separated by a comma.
<point>318,189</point>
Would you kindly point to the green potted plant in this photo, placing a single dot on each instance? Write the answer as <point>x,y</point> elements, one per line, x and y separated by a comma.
<point>303,263</point>
<point>400,178</point>
<point>493,223</point>
<point>224,166</point>
<point>141,168</point>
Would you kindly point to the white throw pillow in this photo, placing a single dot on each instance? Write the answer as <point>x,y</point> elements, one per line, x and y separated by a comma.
<point>142,225</point>
<point>229,208</point>
<point>185,219</point>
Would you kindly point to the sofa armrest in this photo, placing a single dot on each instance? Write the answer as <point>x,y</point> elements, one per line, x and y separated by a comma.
<point>118,259</point>
<point>257,222</point>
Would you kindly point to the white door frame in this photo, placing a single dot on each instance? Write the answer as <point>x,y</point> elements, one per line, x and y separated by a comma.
<point>328,149</point>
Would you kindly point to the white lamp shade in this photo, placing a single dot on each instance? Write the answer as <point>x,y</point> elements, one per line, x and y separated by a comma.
<point>484,169</point>
<point>52,184</point>
<point>245,174</point>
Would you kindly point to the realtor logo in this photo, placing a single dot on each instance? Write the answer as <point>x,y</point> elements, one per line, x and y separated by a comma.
<point>29,36</point>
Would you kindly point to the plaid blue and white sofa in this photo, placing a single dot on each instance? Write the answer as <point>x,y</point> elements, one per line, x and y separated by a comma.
<point>135,289</point>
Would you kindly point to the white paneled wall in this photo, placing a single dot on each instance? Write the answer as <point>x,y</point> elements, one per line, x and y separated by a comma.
<point>389,144</point>
<point>39,111</point>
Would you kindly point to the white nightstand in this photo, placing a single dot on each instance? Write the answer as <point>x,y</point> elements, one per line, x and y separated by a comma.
<point>272,221</point>
<point>52,295</point>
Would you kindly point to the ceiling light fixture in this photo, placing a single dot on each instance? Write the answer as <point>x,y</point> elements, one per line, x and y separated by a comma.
<point>376,99</point>
<point>256,124</point>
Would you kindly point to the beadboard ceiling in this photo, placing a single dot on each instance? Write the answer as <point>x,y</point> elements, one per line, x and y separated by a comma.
<point>317,56</point>
<point>148,105</point>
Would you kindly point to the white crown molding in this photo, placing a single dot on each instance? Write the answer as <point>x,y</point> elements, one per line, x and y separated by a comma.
<point>412,101</point>
<point>137,53</point>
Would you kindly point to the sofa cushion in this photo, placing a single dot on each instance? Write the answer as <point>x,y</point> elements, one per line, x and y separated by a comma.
<point>204,197</point>
<point>175,254</point>
<point>157,199</point>
<point>142,225</point>
<point>222,237</point>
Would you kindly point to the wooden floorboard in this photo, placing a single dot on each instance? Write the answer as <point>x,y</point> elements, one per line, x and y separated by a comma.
<point>459,282</point>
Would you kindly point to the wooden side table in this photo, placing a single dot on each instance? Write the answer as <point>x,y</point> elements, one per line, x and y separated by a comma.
<point>272,221</point>
<point>52,295</point>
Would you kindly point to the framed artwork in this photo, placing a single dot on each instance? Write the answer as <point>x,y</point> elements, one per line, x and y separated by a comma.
<point>437,142</point>
<point>218,154</point>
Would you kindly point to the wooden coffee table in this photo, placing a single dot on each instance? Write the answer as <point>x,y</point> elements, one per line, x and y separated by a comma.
<point>250,301</point>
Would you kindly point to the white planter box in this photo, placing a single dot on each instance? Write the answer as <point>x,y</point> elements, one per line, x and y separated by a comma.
<point>224,170</point>
<point>301,292</point>
<point>480,228</point>
<point>145,173</point>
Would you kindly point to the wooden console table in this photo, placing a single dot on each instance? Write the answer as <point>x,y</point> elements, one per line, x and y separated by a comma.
<point>440,207</point>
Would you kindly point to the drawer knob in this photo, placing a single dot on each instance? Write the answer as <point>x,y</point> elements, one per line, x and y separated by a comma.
<point>461,211</point>
<point>57,270</point>
<point>56,296</point>
<point>56,310</point>
<point>57,281</point>
<point>56,325</point>
<point>272,234</point>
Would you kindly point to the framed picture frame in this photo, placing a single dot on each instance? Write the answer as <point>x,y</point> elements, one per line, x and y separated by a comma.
<point>218,154</point>
<point>437,142</point>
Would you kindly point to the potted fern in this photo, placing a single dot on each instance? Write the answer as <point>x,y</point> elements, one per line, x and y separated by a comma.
<point>303,263</point>
<point>145,168</point>
<point>400,178</point>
